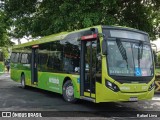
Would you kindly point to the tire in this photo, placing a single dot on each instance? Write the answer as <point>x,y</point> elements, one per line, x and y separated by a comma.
<point>23,84</point>
<point>68,92</point>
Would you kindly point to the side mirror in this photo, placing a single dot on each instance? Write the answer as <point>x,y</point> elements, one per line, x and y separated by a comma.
<point>104,47</point>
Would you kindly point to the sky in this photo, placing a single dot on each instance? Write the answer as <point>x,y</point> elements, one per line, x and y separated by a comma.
<point>23,40</point>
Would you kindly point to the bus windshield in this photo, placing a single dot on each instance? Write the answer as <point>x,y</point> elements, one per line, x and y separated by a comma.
<point>129,58</point>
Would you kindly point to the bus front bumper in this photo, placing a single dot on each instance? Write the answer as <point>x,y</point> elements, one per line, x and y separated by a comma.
<point>104,94</point>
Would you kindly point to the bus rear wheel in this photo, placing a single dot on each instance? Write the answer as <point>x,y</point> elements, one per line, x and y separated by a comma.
<point>23,85</point>
<point>68,92</point>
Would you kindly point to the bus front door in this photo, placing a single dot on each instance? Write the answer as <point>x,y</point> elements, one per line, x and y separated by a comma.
<point>88,69</point>
<point>34,71</point>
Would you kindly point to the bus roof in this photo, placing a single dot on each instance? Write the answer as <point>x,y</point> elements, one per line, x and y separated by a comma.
<point>63,35</point>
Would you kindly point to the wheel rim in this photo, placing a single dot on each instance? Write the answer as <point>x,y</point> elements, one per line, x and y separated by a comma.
<point>69,91</point>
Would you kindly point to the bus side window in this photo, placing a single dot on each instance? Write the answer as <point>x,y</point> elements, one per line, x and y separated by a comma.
<point>24,57</point>
<point>50,62</point>
<point>29,58</point>
<point>54,61</point>
<point>71,57</point>
<point>16,57</point>
<point>12,57</point>
<point>42,61</point>
<point>42,56</point>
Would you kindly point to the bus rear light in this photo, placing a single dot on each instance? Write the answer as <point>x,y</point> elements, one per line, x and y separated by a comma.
<point>151,86</point>
<point>89,37</point>
<point>112,86</point>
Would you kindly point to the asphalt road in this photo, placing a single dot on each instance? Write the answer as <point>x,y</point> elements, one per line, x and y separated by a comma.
<point>14,98</point>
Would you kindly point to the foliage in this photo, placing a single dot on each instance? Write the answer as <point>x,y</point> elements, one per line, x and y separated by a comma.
<point>44,17</point>
<point>6,52</point>
<point>4,27</point>
<point>3,32</point>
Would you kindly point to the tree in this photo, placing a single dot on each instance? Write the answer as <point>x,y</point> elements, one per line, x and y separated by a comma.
<point>3,32</point>
<point>44,17</point>
<point>6,52</point>
<point>4,27</point>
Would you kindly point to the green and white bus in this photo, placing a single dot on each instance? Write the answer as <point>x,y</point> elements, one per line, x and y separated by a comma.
<point>2,67</point>
<point>98,64</point>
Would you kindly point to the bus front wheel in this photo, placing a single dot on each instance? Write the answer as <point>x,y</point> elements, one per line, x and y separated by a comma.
<point>68,92</point>
<point>23,85</point>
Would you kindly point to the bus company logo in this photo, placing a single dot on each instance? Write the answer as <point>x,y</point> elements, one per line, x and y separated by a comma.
<point>54,80</point>
<point>144,87</point>
<point>125,88</point>
<point>6,114</point>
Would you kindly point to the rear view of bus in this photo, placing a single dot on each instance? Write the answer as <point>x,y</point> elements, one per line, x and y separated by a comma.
<point>127,66</point>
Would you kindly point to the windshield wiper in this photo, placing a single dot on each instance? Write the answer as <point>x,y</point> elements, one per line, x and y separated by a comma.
<point>140,53</point>
<point>122,50</point>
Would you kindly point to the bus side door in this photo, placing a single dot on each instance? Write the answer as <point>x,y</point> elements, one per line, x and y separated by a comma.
<point>88,68</point>
<point>34,71</point>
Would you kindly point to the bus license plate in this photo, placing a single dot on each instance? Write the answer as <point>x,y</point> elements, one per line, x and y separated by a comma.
<point>133,99</point>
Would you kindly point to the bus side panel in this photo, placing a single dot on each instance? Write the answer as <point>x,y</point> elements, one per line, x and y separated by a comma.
<point>54,82</point>
<point>46,80</point>
<point>16,75</point>
<point>27,74</point>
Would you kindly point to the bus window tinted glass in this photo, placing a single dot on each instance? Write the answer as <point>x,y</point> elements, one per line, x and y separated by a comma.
<point>55,57</point>
<point>71,57</point>
<point>15,57</point>
<point>24,58</point>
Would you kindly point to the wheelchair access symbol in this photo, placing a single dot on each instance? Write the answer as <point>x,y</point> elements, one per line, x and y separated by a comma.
<point>138,71</point>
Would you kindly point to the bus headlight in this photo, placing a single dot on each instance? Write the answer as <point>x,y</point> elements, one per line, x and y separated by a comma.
<point>151,86</point>
<point>112,86</point>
